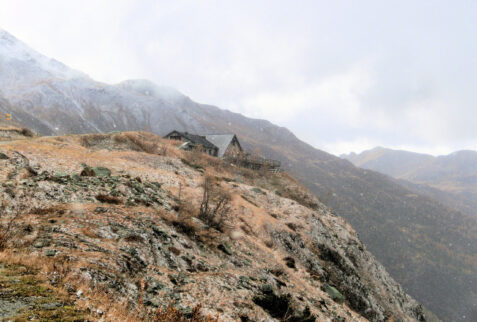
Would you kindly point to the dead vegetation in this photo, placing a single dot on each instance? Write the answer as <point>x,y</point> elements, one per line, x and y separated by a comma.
<point>168,314</point>
<point>215,207</point>
<point>26,132</point>
<point>8,225</point>
<point>136,141</point>
<point>108,199</point>
<point>35,299</point>
<point>173,315</point>
<point>17,132</point>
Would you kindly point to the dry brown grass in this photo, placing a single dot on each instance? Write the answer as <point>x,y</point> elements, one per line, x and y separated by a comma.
<point>173,315</point>
<point>90,140</point>
<point>10,225</point>
<point>144,145</point>
<point>184,222</point>
<point>121,312</point>
<point>135,141</point>
<point>52,210</point>
<point>108,199</point>
<point>89,232</point>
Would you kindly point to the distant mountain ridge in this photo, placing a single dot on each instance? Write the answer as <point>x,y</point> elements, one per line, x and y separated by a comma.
<point>429,249</point>
<point>452,178</point>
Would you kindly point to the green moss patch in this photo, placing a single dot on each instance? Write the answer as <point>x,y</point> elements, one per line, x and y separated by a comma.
<point>23,297</point>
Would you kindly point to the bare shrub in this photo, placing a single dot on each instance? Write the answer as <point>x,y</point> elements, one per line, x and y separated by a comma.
<point>7,225</point>
<point>215,206</point>
<point>7,232</point>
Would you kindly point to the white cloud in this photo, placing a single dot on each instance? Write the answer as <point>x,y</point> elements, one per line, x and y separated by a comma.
<point>335,97</point>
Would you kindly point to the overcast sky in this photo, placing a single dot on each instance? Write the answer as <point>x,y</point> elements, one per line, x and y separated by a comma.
<point>342,75</point>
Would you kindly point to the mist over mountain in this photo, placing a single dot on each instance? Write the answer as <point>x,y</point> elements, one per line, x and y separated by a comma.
<point>429,248</point>
<point>451,179</point>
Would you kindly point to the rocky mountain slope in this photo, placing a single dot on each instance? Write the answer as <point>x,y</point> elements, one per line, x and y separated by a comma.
<point>108,227</point>
<point>428,248</point>
<point>451,179</point>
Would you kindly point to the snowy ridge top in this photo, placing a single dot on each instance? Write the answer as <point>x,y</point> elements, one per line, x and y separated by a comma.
<point>13,50</point>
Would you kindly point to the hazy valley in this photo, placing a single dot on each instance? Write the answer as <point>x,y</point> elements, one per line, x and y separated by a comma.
<point>450,179</point>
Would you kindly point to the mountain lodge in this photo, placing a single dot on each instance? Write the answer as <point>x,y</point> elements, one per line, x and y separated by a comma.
<point>217,145</point>
<point>224,146</point>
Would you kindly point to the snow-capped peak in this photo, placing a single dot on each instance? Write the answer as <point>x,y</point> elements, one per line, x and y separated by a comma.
<point>13,51</point>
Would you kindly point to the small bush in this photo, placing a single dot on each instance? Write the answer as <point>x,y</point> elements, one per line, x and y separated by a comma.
<point>175,251</point>
<point>185,226</point>
<point>134,238</point>
<point>108,199</point>
<point>282,308</point>
<point>278,306</point>
<point>292,226</point>
<point>27,132</point>
<point>269,243</point>
<point>290,262</point>
<point>277,271</point>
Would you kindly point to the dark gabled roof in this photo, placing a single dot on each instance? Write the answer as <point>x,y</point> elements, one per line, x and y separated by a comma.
<point>222,141</point>
<point>196,139</point>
